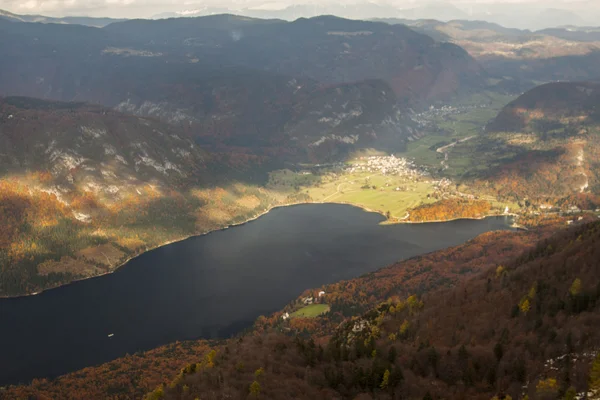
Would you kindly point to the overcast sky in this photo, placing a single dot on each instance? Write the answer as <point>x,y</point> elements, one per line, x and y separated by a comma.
<point>148,8</point>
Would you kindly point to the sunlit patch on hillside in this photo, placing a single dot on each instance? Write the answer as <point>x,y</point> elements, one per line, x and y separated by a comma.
<point>105,254</point>
<point>68,265</point>
<point>249,202</point>
<point>519,139</point>
<point>126,52</point>
<point>130,243</point>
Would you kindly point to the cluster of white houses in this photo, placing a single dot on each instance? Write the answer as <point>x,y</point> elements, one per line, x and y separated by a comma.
<point>427,117</point>
<point>386,165</point>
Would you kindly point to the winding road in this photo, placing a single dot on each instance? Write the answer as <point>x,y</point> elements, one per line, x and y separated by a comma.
<point>340,185</point>
<point>443,149</point>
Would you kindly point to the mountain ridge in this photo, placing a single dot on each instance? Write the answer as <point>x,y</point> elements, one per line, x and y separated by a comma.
<point>241,83</point>
<point>552,101</point>
<point>541,149</point>
<point>97,22</point>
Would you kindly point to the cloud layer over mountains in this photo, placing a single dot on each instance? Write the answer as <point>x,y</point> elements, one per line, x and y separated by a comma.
<point>529,14</point>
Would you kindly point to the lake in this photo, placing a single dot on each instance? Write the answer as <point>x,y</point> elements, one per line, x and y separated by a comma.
<point>210,286</point>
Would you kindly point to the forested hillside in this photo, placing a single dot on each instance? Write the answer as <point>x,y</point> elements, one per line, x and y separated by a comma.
<point>84,188</point>
<point>542,149</point>
<point>326,49</point>
<point>533,335</point>
<point>450,209</point>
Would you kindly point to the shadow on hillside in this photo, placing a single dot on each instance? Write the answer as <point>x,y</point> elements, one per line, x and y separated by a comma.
<point>492,163</point>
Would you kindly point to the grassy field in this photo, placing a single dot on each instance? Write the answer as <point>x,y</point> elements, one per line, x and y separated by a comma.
<point>312,311</point>
<point>375,192</point>
<point>420,150</point>
<point>468,124</point>
<point>372,191</point>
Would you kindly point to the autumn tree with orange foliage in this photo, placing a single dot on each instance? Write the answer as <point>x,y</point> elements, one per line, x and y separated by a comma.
<point>448,209</point>
<point>127,377</point>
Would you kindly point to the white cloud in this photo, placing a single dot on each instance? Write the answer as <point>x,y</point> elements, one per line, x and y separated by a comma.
<point>29,5</point>
<point>147,8</point>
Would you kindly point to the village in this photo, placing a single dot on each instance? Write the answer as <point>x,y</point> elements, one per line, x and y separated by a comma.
<point>386,165</point>
<point>427,118</point>
<point>392,166</point>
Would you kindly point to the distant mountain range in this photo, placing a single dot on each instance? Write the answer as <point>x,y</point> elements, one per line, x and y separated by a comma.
<point>488,40</point>
<point>525,57</point>
<point>528,15</point>
<point>521,58</point>
<point>526,18</point>
<point>88,21</point>
<point>239,81</point>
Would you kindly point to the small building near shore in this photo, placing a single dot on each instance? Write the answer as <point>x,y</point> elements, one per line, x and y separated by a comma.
<point>307,300</point>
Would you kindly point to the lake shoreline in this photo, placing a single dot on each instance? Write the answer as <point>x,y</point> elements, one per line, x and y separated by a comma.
<point>288,252</point>
<point>457,219</point>
<point>253,218</point>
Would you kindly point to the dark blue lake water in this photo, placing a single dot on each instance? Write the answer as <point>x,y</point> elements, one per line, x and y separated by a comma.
<point>210,286</point>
